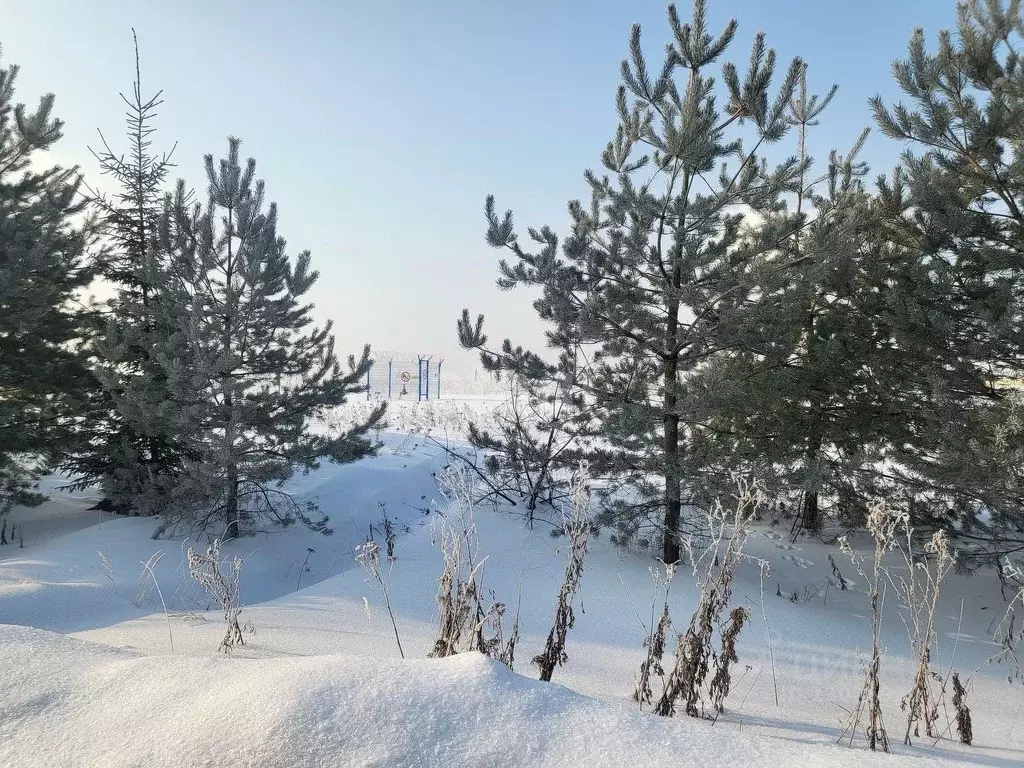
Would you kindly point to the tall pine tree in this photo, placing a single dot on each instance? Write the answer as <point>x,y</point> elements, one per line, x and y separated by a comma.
<point>957,203</point>
<point>657,277</point>
<point>43,381</point>
<point>808,407</point>
<point>131,453</point>
<point>248,371</point>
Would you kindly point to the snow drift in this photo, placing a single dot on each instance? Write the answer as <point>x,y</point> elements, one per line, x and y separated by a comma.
<point>68,702</point>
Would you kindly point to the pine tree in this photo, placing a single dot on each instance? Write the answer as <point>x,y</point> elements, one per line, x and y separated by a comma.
<point>247,369</point>
<point>541,432</point>
<point>956,203</point>
<point>657,275</point>
<point>43,243</point>
<point>131,454</point>
<point>808,407</point>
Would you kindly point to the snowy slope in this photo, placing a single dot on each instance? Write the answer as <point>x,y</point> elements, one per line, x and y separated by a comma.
<point>817,645</point>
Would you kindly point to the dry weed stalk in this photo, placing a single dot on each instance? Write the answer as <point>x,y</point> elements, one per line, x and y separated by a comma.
<point>714,574</point>
<point>1008,635</point>
<point>722,680</point>
<point>458,592</point>
<point>882,524</point>
<point>149,571</point>
<point>463,623</point>
<point>108,569</point>
<point>379,579</point>
<point>964,727</point>
<point>223,585</point>
<point>576,527</point>
<point>496,646</point>
<point>920,592</point>
<point>657,634</point>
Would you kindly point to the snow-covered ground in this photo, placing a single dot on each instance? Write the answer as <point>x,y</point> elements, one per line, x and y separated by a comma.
<point>91,677</point>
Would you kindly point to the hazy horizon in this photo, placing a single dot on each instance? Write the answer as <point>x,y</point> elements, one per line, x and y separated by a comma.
<point>380,128</point>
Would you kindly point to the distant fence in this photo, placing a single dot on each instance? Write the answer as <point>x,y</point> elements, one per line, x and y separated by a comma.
<point>413,377</point>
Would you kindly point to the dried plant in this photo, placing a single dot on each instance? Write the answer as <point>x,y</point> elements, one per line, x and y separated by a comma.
<point>722,680</point>
<point>840,582</point>
<point>494,644</point>
<point>222,581</point>
<point>713,571</point>
<point>882,524</point>
<point>657,634</point>
<point>463,622</point>
<point>108,569</point>
<point>148,572</point>
<point>302,568</point>
<point>379,578</point>
<point>460,613</point>
<point>964,727</point>
<point>1008,634</point>
<point>576,526</point>
<point>919,592</point>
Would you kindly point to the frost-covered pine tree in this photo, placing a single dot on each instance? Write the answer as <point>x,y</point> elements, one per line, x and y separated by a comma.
<point>132,454</point>
<point>956,202</point>
<point>43,380</point>
<point>809,402</point>
<point>248,370</point>
<point>656,278</point>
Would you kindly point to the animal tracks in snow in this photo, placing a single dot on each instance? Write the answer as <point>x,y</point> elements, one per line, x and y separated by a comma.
<point>799,562</point>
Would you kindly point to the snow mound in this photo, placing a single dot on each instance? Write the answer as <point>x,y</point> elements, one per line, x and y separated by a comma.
<point>68,702</point>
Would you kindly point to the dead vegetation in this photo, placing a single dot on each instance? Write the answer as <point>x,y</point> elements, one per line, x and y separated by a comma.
<point>714,567</point>
<point>576,528</point>
<point>222,581</point>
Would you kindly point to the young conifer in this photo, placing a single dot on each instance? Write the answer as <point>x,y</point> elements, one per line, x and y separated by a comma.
<point>43,379</point>
<point>248,370</point>
<point>133,454</point>
<point>656,277</point>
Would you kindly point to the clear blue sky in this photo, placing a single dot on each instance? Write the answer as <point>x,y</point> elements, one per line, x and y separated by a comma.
<point>381,126</point>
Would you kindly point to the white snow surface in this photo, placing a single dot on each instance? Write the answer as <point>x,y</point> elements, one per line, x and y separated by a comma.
<point>91,679</point>
<point>69,702</point>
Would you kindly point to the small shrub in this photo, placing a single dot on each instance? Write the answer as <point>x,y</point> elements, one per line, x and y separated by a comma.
<point>220,580</point>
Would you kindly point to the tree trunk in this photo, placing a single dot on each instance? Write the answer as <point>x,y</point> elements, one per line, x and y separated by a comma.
<point>673,491</point>
<point>231,518</point>
<point>810,515</point>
